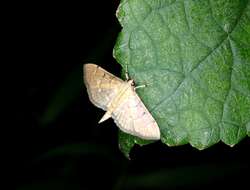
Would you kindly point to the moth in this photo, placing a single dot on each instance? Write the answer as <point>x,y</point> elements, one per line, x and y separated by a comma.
<point>120,101</point>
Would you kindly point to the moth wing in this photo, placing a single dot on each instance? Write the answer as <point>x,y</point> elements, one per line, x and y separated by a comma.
<point>102,86</point>
<point>132,117</point>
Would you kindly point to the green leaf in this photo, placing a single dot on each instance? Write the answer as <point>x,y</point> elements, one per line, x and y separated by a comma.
<point>195,58</point>
<point>126,142</point>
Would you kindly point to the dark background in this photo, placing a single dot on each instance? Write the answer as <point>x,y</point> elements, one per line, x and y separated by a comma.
<point>57,141</point>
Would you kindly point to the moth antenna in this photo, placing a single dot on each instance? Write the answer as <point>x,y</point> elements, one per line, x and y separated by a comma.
<point>126,72</point>
<point>143,85</point>
<point>140,86</point>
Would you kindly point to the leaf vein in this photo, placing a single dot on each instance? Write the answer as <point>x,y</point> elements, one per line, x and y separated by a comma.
<point>189,28</point>
<point>230,84</point>
<point>144,30</point>
<point>212,14</point>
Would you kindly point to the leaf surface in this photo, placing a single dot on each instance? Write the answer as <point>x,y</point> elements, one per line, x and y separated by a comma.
<point>195,58</point>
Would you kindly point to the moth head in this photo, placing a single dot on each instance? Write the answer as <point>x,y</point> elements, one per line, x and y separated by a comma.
<point>131,82</point>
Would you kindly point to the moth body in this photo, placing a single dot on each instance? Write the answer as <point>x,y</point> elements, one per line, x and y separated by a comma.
<point>120,101</point>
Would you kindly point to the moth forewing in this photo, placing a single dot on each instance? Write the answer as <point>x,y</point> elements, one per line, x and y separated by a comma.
<point>101,85</point>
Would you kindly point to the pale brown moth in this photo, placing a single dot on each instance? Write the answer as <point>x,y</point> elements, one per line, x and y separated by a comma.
<point>120,101</point>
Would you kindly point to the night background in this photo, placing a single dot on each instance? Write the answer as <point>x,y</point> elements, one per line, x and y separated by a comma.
<point>58,143</point>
